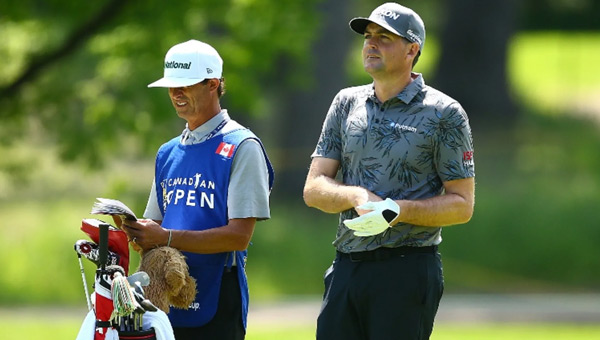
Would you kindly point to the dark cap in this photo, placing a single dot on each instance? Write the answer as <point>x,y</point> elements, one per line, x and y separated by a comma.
<point>395,18</point>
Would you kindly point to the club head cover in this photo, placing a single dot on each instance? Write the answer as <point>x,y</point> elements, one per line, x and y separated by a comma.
<point>90,251</point>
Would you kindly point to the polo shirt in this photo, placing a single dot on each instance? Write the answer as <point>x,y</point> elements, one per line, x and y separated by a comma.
<point>404,148</point>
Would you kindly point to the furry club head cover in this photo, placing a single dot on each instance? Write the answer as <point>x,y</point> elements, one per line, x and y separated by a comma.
<point>170,282</point>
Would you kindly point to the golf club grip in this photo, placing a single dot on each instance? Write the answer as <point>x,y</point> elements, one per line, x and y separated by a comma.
<point>103,245</point>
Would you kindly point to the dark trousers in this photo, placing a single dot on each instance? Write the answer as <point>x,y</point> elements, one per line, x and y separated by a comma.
<point>394,297</point>
<point>227,323</point>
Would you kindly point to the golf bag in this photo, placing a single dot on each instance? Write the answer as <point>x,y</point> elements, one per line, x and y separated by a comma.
<point>119,306</point>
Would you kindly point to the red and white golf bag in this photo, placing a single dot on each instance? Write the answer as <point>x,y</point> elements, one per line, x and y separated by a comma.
<point>112,248</point>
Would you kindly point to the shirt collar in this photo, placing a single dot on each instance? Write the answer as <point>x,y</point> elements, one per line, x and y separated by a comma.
<point>201,133</point>
<point>410,91</point>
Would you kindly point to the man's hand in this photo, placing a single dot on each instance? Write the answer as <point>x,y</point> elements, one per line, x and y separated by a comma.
<point>146,234</point>
<point>376,221</point>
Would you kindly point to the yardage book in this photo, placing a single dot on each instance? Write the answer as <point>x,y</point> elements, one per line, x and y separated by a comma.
<point>107,206</point>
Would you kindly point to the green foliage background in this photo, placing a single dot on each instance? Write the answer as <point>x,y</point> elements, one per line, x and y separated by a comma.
<point>106,86</point>
<point>535,227</point>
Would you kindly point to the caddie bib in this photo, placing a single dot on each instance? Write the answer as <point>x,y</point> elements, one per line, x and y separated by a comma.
<point>192,185</point>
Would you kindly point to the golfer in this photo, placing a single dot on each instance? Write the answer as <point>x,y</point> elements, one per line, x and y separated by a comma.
<point>211,185</point>
<point>404,155</point>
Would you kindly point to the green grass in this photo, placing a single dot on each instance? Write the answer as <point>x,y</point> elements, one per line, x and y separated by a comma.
<point>280,332</point>
<point>40,329</point>
<point>37,327</point>
<point>516,331</point>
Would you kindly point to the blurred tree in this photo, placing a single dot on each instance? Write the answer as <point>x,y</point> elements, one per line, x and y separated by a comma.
<point>475,36</point>
<point>76,73</point>
<point>473,64</point>
<point>578,15</point>
<point>45,59</point>
<point>301,110</point>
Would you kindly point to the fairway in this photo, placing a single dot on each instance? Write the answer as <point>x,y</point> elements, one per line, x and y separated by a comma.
<point>20,327</point>
<point>516,331</point>
<point>296,321</point>
<point>537,331</point>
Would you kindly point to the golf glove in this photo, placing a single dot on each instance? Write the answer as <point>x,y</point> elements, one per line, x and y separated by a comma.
<point>376,221</point>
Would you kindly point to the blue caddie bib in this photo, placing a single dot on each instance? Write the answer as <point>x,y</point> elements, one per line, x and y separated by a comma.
<point>192,185</point>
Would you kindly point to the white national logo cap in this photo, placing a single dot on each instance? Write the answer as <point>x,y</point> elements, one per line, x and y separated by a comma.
<point>189,63</point>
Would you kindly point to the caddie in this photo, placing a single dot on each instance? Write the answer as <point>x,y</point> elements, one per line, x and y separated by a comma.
<point>211,186</point>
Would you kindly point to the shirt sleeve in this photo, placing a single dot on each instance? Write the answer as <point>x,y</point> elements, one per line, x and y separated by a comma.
<point>330,140</point>
<point>152,209</point>
<point>454,145</point>
<point>248,192</point>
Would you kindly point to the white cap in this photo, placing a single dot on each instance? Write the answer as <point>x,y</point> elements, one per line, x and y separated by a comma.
<point>189,63</point>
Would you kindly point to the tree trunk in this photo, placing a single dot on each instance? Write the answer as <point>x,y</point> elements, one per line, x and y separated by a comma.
<point>473,62</point>
<point>300,114</point>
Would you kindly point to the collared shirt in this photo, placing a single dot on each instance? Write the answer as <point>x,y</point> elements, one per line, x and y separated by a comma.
<point>404,148</point>
<point>207,130</point>
<point>248,191</point>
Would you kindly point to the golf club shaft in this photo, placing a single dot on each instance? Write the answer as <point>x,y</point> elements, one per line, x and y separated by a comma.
<point>85,288</point>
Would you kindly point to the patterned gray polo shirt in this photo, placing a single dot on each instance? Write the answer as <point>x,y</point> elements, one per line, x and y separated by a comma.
<point>402,149</point>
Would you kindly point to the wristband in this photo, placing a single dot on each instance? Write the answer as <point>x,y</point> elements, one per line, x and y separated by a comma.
<point>170,238</point>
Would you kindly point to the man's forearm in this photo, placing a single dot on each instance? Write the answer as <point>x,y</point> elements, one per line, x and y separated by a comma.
<point>328,195</point>
<point>233,237</point>
<point>439,211</point>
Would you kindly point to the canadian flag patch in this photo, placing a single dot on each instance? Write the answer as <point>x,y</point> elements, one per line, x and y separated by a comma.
<point>225,150</point>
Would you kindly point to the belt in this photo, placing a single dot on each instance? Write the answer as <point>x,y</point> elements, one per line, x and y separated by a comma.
<point>381,254</point>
